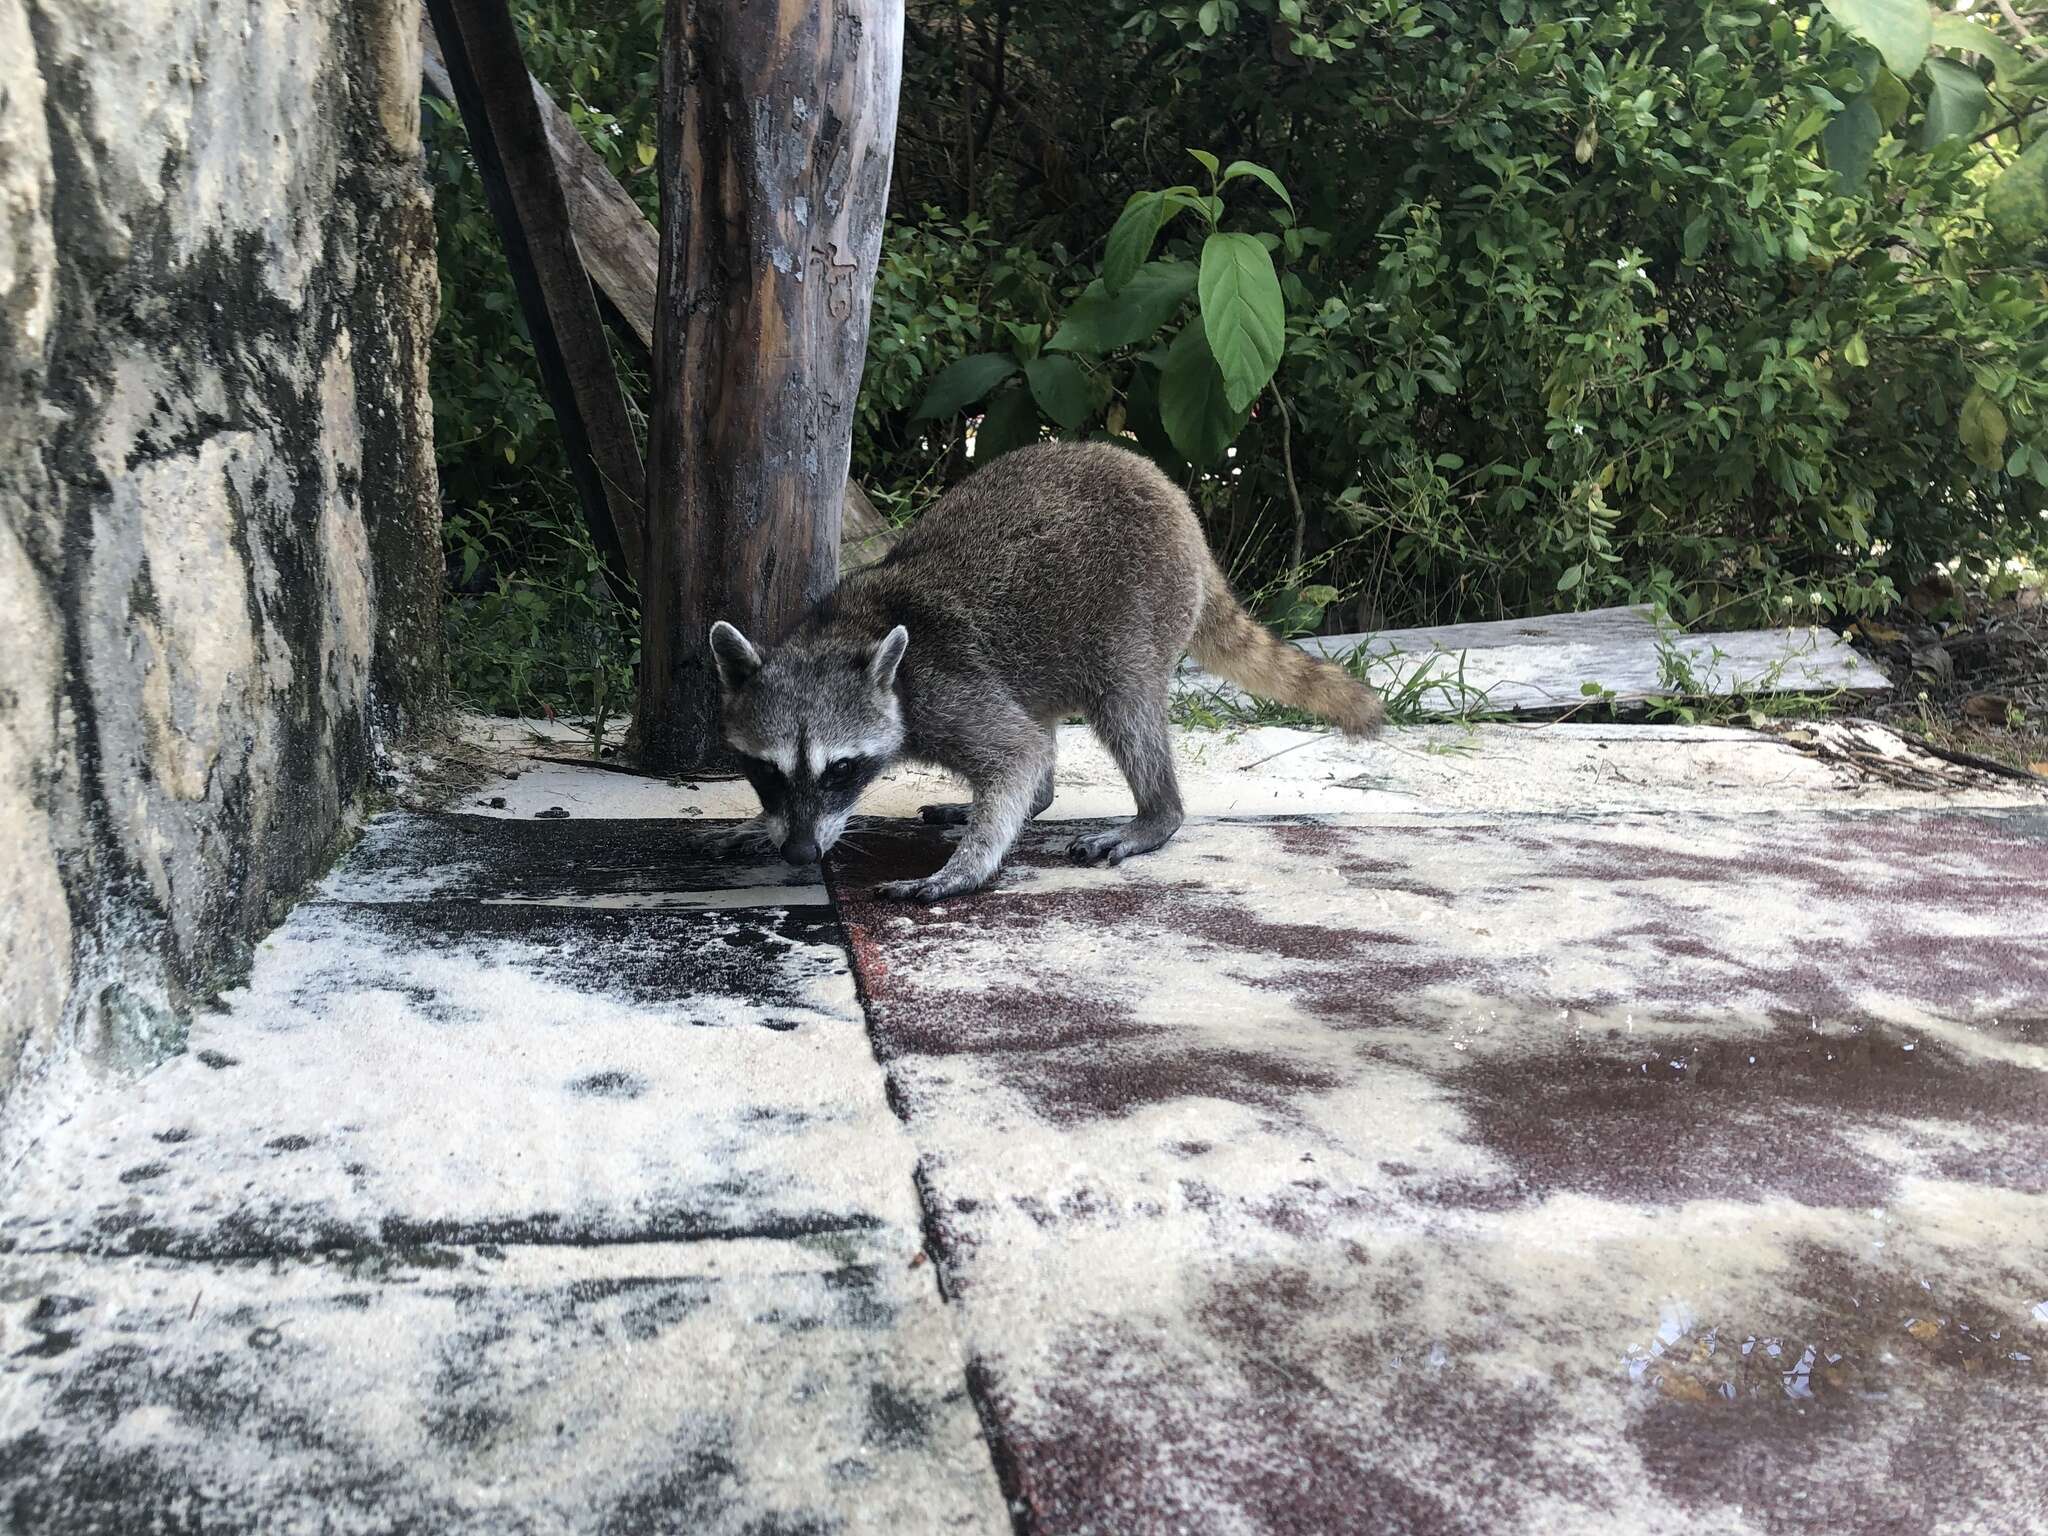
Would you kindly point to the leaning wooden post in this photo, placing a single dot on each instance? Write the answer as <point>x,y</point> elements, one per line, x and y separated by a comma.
<point>777,126</point>
<point>508,139</point>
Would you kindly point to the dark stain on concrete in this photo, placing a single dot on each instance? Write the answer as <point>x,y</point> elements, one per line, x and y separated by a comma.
<point>493,858</point>
<point>1778,1115</point>
<point>1894,1389</point>
<point>676,958</point>
<point>612,1084</point>
<point>895,1418</point>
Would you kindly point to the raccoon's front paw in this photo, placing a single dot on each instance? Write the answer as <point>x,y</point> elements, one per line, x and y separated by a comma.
<point>1099,848</point>
<point>932,888</point>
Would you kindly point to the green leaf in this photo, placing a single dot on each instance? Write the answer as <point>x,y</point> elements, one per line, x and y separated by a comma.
<point>1193,405</point>
<point>2016,202</point>
<point>1246,168</point>
<point>1208,17</point>
<point>1011,422</point>
<point>1974,37</point>
<point>961,384</point>
<point>1983,429</point>
<point>1243,314</point>
<point>1207,161</point>
<point>1956,103</point>
<point>1889,98</point>
<point>1901,30</point>
<point>1297,610</point>
<point>1696,233</point>
<point>1097,323</point>
<point>1573,575</point>
<point>1028,337</point>
<point>1856,351</point>
<point>1141,416</point>
<point>1061,390</point>
<point>1130,239</point>
<point>1850,140</point>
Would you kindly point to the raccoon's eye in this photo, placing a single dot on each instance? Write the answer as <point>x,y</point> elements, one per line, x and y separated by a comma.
<point>839,773</point>
<point>759,770</point>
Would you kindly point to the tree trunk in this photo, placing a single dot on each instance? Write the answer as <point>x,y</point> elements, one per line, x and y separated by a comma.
<point>777,125</point>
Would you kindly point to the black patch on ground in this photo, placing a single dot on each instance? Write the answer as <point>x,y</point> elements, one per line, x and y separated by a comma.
<point>474,858</point>
<point>896,1419</point>
<point>610,1085</point>
<point>676,958</point>
<point>217,1060</point>
<point>289,1143</point>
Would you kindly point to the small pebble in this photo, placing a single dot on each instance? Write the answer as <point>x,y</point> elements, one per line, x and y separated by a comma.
<point>552,813</point>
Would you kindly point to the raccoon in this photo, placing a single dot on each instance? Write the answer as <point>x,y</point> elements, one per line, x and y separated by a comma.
<point>1062,578</point>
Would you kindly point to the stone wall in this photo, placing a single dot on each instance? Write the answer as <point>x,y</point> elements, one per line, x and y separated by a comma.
<point>219,548</point>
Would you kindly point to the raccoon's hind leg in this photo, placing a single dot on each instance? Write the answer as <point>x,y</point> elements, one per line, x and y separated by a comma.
<point>1014,768</point>
<point>955,815</point>
<point>1132,725</point>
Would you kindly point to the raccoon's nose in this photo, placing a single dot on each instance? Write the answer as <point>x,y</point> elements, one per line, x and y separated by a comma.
<point>801,850</point>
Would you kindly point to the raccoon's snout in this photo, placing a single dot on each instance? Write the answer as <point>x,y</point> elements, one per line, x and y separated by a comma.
<point>801,850</point>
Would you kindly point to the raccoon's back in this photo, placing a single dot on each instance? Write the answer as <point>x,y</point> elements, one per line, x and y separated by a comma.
<point>1057,546</point>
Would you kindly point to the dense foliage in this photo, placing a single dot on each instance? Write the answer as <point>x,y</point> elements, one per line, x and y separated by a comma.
<point>1459,310</point>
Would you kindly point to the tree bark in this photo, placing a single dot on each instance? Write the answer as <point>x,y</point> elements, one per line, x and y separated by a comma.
<point>777,125</point>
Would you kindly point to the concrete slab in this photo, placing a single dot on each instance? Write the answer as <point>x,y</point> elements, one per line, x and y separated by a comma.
<point>1529,1128</point>
<point>1659,1172</point>
<point>696,1388</point>
<point>545,1183</point>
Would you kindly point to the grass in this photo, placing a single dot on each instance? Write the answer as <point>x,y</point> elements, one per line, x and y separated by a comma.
<point>1413,695</point>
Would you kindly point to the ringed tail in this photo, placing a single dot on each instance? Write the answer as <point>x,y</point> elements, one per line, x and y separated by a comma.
<point>1231,643</point>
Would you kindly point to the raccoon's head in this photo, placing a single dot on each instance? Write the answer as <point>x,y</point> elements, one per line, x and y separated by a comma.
<point>813,724</point>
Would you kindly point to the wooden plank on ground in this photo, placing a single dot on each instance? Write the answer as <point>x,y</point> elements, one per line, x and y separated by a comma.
<point>1538,666</point>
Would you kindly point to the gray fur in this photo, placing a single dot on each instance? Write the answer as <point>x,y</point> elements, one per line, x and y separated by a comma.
<point>1064,578</point>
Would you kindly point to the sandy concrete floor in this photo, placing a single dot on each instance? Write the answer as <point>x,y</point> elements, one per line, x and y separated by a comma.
<point>1523,1129</point>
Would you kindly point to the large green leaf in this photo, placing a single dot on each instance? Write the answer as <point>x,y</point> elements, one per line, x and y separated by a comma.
<point>1097,322</point>
<point>1889,98</point>
<point>1954,105</point>
<point>1061,390</point>
<point>965,382</point>
<point>2016,202</point>
<point>1193,405</point>
<point>1974,37</point>
<point>1011,422</point>
<point>1130,239</point>
<point>1246,168</point>
<point>1901,30</point>
<point>1141,416</point>
<point>1243,314</point>
<point>1850,140</point>
<point>1983,429</point>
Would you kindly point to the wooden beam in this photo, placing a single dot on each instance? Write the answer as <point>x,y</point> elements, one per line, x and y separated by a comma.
<point>489,81</point>
<point>614,238</point>
<point>777,127</point>
<point>621,253</point>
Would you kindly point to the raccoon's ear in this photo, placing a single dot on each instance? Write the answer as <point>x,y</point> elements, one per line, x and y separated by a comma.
<point>888,656</point>
<point>736,658</point>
